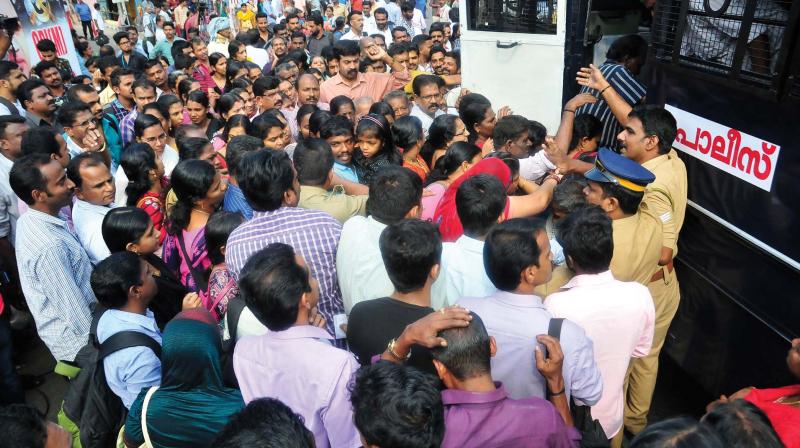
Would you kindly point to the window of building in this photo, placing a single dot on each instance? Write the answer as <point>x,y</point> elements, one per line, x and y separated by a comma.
<point>513,16</point>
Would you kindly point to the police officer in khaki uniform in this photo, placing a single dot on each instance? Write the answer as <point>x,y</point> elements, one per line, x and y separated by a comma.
<point>617,185</point>
<point>647,136</point>
<point>647,139</point>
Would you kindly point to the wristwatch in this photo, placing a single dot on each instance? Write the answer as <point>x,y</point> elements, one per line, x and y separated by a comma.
<point>390,349</point>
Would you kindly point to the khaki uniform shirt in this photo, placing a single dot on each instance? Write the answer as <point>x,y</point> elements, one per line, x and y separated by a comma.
<point>637,247</point>
<point>666,197</point>
<point>336,203</point>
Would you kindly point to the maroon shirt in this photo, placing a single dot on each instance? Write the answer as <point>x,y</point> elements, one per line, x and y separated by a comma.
<point>493,419</point>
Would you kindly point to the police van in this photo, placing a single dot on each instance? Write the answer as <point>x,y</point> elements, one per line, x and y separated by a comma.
<point>729,71</point>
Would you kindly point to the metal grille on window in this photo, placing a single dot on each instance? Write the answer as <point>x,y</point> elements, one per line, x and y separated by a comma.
<point>513,16</point>
<point>738,38</point>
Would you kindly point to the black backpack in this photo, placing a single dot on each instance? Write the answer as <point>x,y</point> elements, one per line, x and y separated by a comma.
<point>235,307</point>
<point>592,434</point>
<point>90,403</point>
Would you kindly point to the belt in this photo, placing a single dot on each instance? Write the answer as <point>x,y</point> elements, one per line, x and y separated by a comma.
<point>659,274</point>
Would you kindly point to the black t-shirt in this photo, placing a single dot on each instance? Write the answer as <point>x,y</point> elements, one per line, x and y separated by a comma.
<point>373,323</point>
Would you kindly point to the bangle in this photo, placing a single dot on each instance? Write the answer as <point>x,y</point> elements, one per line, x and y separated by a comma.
<point>555,394</point>
<point>390,349</point>
<point>604,89</point>
<point>569,110</point>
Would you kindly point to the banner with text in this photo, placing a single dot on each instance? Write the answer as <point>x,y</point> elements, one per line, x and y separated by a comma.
<point>742,155</point>
<point>45,19</point>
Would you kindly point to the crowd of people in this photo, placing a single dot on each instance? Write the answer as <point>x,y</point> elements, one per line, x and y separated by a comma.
<point>291,226</point>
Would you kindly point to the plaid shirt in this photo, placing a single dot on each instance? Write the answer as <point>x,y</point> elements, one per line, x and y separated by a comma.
<point>117,109</point>
<point>126,127</point>
<point>312,234</point>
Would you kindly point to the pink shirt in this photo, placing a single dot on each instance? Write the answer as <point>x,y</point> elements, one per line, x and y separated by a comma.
<point>435,192</point>
<point>374,85</point>
<point>619,318</point>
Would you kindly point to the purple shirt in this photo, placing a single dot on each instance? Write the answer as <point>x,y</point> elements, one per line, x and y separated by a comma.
<point>312,234</point>
<point>493,419</point>
<point>515,320</point>
<point>302,369</point>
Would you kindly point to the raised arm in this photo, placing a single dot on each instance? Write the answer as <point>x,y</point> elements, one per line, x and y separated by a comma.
<point>592,77</point>
<point>564,134</point>
<point>425,332</point>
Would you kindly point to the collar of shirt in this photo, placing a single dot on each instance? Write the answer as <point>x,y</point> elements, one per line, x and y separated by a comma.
<point>300,332</point>
<point>37,120</point>
<point>49,219</point>
<point>455,396</point>
<point>310,190</point>
<point>73,148</point>
<point>518,300</point>
<point>361,79</point>
<point>116,103</point>
<point>146,321</point>
<point>470,244</point>
<point>590,280</point>
<point>101,210</point>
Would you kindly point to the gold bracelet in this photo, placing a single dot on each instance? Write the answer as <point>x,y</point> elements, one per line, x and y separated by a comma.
<point>390,349</point>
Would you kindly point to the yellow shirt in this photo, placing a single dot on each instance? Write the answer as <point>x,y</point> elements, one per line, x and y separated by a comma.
<point>637,247</point>
<point>336,203</point>
<point>107,96</point>
<point>246,20</point>
<point>666,197</point>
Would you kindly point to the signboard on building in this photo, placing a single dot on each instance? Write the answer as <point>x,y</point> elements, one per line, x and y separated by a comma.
<point>742,155</point>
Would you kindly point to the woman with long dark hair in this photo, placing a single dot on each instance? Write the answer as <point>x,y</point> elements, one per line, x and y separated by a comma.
<point>304,120</point>
<point>131,229</point>
<point>172,109</point>
<point>219,71</point>
<point>444,131</point>
<point>234,70</point>
<point>146,186</point>
<point>375,149</point>
<point>199,189</point>
<point>149,128</point>
<point>198,106</point>
<point>456,161</point>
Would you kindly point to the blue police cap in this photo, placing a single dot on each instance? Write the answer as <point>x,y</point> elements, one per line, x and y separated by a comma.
<point>613,168</point>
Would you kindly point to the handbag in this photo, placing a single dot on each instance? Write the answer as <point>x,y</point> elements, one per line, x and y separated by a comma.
<point>145,433</point>
<point>592,434</point>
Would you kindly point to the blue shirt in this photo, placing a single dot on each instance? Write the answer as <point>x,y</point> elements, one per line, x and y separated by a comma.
<point>113,140</point>
<point>235,201</point>
<point>515,320</point>
<point>346,172</point>
<point>131,369</point>
<point>54,271</point>
<point>84,12</point>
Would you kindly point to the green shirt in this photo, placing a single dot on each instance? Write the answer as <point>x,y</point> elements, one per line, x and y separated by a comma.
<point>336,203</point>
<point>164,48</point>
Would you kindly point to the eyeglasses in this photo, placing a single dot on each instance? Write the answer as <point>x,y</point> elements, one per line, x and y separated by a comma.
<point>90,122</point>
<point>161,138</point>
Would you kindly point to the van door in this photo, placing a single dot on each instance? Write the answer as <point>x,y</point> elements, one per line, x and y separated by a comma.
<point>513,52</point>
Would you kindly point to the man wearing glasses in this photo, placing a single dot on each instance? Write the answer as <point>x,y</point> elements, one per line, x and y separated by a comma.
<point>428,99</point>
<point>129,58</point>
<point>82,131</point>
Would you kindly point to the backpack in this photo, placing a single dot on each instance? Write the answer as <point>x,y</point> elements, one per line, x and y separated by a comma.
<point>592,434</point>
<point>235,307</point>
<point>12,108</point>
<point>90,403</point>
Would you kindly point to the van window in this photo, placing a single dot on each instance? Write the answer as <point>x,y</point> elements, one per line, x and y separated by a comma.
<point>513,16</point>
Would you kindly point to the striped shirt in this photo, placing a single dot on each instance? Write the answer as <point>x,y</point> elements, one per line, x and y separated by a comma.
<point>117,109</point>
<point>126,127</point>
<point>54,272</point>
<point>235,202</point>
<point>627,86</point>
<point>312,234</point>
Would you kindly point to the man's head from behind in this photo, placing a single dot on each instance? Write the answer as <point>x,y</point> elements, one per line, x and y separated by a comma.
<point>313,160</point>
<point>394,194</point>
<point>586,237</point>
<point>23,427</point>
<point>411,251</point>
<point>630,51</point>
<point>268,180</point>
<point>467,354</point>
<point>480,202</point>
<point>397,406</point>
<point>517,255</point>
<point>265,423</point>
<point>278,287</point>
<point>742,424</point>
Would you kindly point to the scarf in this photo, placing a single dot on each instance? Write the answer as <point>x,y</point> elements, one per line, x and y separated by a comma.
<point>192,404</point>
<point>446,214</point>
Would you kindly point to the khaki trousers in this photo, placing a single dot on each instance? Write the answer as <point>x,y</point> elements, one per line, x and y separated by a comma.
<point>641,380</point>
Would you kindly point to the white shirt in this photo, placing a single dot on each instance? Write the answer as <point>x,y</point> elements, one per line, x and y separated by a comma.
<point>535,166</point>
<point>217,47</point>
<point>98,18</point>
<point>88,221</point>
<point>426,119</point>
<point>461,273</point>
<point>9,203</point>
<point>359,265</point>
<point>259,56</point>
<point>4,110</point>
<point>387,34</point>
<point>350,35</point>
<point>619,318</point>
<point>369,25</point>
<point>73,148</point>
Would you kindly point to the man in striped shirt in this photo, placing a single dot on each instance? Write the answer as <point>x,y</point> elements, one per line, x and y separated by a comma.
<point>626,57</point>
<point>269,182</point>
<point>54,268</point>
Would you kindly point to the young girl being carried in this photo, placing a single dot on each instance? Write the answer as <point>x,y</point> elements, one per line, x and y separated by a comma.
<point>375,148</point>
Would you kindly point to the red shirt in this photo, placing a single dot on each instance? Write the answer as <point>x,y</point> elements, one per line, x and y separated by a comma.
<point>784,418</point>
